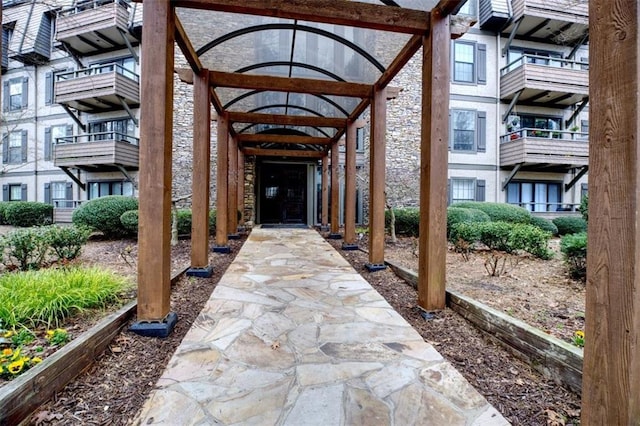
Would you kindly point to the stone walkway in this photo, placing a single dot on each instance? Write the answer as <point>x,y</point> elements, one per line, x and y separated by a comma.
<point>293,335</point>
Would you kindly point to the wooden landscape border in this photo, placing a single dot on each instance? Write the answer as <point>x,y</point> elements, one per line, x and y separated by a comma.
<point>22,396</point>
<point>549,355</point>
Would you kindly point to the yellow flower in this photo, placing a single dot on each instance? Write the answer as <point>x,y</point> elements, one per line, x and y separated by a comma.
<point>16,366</point>
<point>7,352</point>
<point>9,334</point>
<point>36,360</point>
<point>1,369</point>
<point>50,334</point>
<point>580,334</point>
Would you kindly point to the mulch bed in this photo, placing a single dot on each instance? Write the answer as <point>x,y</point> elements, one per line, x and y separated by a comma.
<point>116,386</point>
<point>521,394</point>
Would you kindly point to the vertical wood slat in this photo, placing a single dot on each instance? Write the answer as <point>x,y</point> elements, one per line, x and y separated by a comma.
<point>350,185</point>
<point>432,244</point>
<point>377,176</point>
<point>221,181</point>
<point>325,191</point>
<point>156,123</point>
<point>201,182</point>
<point>232,184</point>
<point>611,385</point>
<point>241,186</point>
<point>335,190</point>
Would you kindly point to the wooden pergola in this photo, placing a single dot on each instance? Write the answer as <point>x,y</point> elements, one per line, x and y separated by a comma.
<point>611,381</point>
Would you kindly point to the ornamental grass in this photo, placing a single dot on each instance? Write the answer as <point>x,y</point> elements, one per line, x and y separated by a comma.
<point>46,297</point>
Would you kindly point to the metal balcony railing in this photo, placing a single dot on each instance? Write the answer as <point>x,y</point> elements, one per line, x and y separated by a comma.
<point>97,137</point>
<point>98,69</point>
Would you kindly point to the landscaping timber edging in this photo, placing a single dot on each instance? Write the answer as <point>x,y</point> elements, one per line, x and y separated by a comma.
<point>20,397</point>
<point>549,355</point>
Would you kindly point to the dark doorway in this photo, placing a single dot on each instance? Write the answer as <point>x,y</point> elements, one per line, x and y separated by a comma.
<point>283,193</point>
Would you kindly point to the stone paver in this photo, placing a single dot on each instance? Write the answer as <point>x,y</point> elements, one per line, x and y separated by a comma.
<point>293,335</point>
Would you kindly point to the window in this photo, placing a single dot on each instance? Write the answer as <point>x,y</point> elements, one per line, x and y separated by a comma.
<point>584,128</point>
<point>14,147</point>
<point>15,94</point>
<point>360,139</point>
<point>124,66</point>
<point>535,196</point>
<point>466,189</point>
<point>469,8</point>
<point>469,62</point>
<point>51,135</point>
<point>533,56</point>
<point>536,124</point>
<point>124,129</point>
<point>7,33</point>
<point>468,131</point>
<point>60,194</point>
<point>101,189</point>
<point>14,192</point>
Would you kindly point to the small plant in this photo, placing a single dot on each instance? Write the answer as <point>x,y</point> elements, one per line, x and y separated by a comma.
<point>22,337</point>
<point>584,207</point>
<point>574,249</point>
<point>544,224</point>
<point>67,241</point>
<point>578,339</point>
<point>24,249</point>
<point>570,225</point>
<point>13,362</point>
<point>457,215</point>
<point>57,337</point>
<point>28,213</point>
<point>103,214</point>
<point>3,209</point>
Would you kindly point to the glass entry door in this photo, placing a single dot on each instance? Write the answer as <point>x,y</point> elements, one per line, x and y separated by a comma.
<point>283,193</point>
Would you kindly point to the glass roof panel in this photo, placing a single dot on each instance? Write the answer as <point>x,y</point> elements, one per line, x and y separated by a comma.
<point>259,101</point>
<point>425,5</point>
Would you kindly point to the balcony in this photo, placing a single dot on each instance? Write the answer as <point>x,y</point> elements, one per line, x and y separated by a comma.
<point>97,152</point>
<point>98,88</point>
<point>95,26</point>
<point>544,81</point>
<point>564,22</point>
<point>549,149</point>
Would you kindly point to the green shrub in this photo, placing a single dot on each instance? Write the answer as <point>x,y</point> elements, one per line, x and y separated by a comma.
<point>407,221</point>
<point>531,239</point>
<point>129,221</point>
<point>584,207</point>
<point>24,249</point>
<point>544,224</point>
<point>67,241</point>
<point>457,215</point>
<point>465,234</point>
<point>499,212</point>
<point>497,236</point>
<point>103,214</point>
<point>570,225</point>
<point>574,248</point>
<point>28,213</point>
<point>3,209</point>
<point>48,296</point>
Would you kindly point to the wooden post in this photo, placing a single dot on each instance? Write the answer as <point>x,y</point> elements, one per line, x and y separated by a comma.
<point>232,194</point>
<point>350,189</point>
<point>222,206</point>
<point>241,186</point>
<point>156,126</point>
<point>432,243</point>
<point>324,217</point>
<point>334,233</point>
<point>611,378</point>
<point>377,179</point>
<point>201,182</point>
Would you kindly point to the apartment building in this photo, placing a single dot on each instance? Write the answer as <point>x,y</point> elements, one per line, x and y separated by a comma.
<point>70,100</point>
<point>518,109</point>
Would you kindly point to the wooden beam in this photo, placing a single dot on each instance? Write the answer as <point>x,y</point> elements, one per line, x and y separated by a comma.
<point>337,12</point>
<point>350,185</point>
<point>222,177</point>
<point>156,127</point>
<point>282,153</point>
<point>377,179</point>
<point>241,186</point>
<point>610,387</point>
<point>182,40</point>
<point>335,192</point>
<point>201,181</point>
<point>432,243</point>
<point>288,84</point>
<point>232,185</point>
<point>269,138</point>
<point>286,120</point>
<point>324,215</point>
<point>445,8</point>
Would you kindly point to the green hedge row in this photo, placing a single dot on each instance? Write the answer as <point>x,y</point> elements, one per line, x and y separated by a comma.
<point>25,213</point>
<point>129,221</point>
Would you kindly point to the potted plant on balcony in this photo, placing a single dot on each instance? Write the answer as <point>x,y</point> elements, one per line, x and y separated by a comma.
<point>513,125</point>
